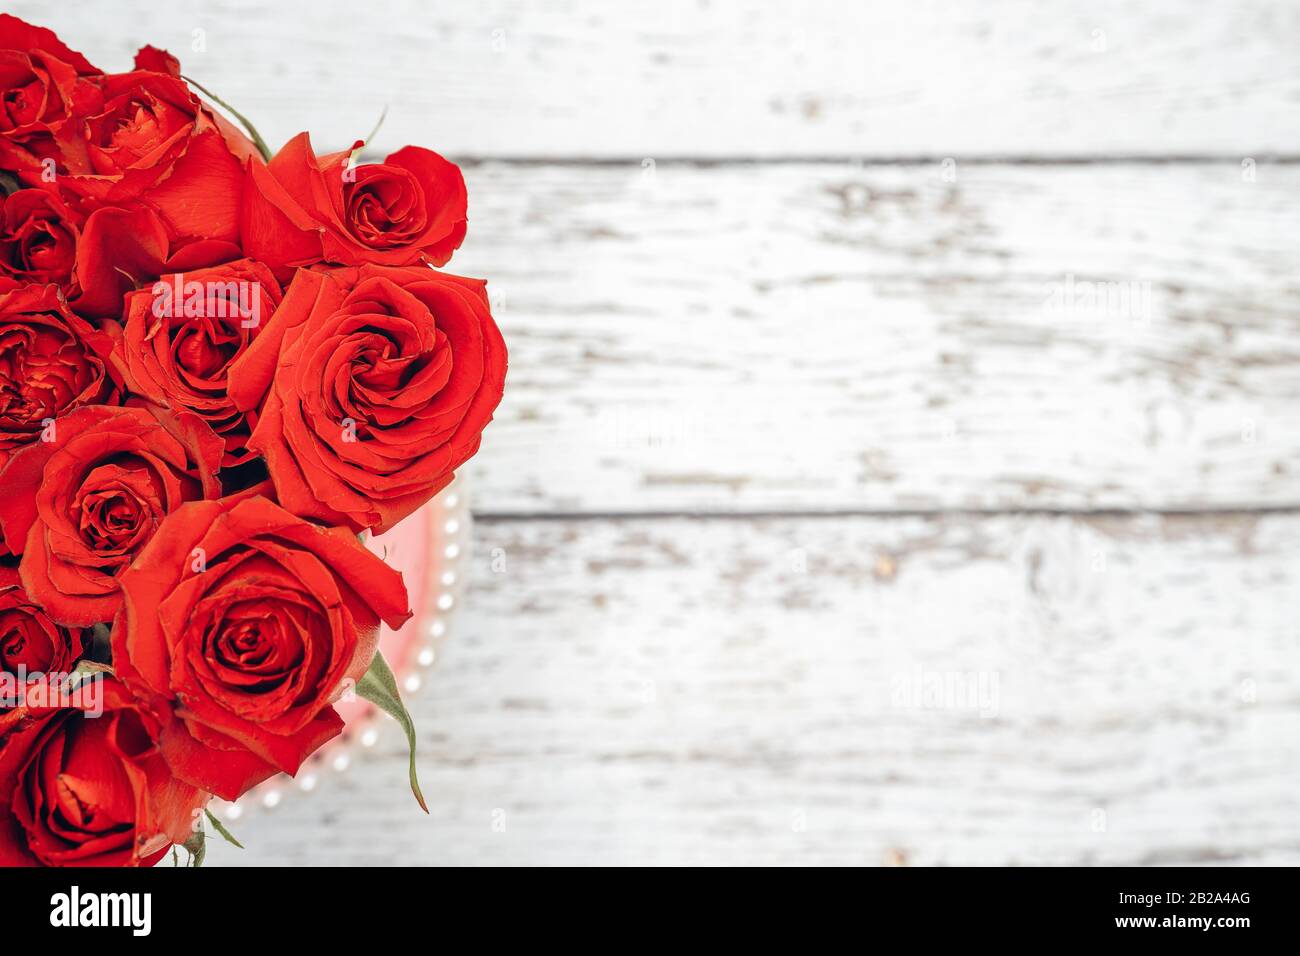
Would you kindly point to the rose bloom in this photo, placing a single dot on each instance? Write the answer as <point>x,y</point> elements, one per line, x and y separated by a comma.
<point>374,385</point>
<point>43,84</point>
<point>181,335</point>
<point>78,790</point>
<point>240,625</point>
<point>80,506</point>
<point>153,177</point>
<point>154,143</point>
<point>51,362</point>
<point>38,237</point>
<point>300,209</point>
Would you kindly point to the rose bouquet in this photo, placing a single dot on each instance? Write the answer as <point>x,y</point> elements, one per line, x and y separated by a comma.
<point>219,368</point>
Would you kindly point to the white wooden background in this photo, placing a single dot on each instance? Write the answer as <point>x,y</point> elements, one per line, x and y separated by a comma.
<point>797,410</point>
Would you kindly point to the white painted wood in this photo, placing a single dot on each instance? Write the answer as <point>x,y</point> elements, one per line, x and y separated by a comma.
<point>820,337</point>
<point>838,336</point>
<point>693,78</point>
<point>735,691</point>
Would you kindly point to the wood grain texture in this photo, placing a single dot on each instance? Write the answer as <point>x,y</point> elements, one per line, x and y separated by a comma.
<point>693,78</point>
<point>920,340</point>
<point>822,337</point>
<point>736,691</point>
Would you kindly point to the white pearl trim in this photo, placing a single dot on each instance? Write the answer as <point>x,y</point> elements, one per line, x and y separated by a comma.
<point>445,583</point>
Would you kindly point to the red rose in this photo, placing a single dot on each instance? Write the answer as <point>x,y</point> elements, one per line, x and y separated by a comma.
<point>84,790</point>
<point>181,334</point>
<point>239,625</point>
<point>42,85</point>
<point>160,61</point>
<point>30,641</point>
<point>123,249</point>
<point>23,37</point>
<point>378,383</point>
<point>79,506</point>
<point>300,209</point>
<point>51,362</point>
<point>38,237</point>
<point>147,141</point>
<point>152,136</point>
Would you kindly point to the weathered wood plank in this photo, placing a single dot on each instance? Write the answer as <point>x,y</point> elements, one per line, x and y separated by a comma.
<point>689,78</point>
<point>812,337</point>
<point>722,691</point>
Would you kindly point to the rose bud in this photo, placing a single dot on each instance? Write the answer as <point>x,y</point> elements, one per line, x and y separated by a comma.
<point>83,790</point>
<point>51,362</point>
<point>30,641</point>
<point>80,505</point>
<point>374,385</point>
<point>38,237</point>
<point>300,209</point>
<point>240,625</point>
<point>181,334</point>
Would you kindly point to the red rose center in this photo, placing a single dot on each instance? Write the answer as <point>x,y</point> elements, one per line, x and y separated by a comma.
<point>43,246</point>
<point>23,104</point>
<point>75,791</point>
<point>385,207</point>
<point>204,347</point>
<point>41,371</point>
<point>118,506</point>
<point>23,644</point>
<point>259,644</point>
<point>131,131</point>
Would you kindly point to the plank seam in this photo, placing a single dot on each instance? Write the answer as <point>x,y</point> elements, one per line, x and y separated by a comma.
<point>501,517</point>
<point>990,159</point>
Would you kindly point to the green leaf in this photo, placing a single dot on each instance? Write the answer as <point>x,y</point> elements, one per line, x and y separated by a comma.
<point>196,847</point>
<point>221,829</point>
<point>379,686</point>
<point>92,667</point>
<point>85,669</point>
<point>252,130</point>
